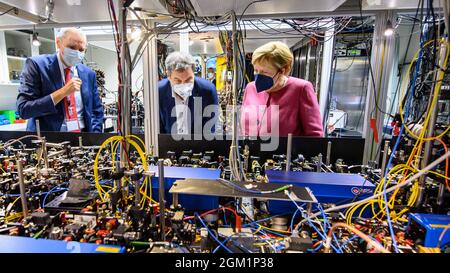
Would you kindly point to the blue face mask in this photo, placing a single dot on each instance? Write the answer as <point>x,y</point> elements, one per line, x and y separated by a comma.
<point>263,82</point>
<point>72,57</point>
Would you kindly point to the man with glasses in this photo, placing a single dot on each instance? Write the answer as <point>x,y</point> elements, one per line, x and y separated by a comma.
<point>60,91</point>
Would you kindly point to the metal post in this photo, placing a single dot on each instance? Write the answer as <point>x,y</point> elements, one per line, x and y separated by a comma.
<point>385,157</point>
<point>125,65</point>
<point>289,152</point>
<point>382,69</point>
<point>23,193</point>
<point>328,158</point>
<point>44,152</point>
<point>162,205</point>
<point>326,71</point>
<point>38,128</point>
<point>151,100</point>
<point>319,163</point>
<point>441,192</point>
<point>80,141</point>
<point>175,200</point>
<point>137,187</point>
<point>235,170</point>
<point>118,180</point>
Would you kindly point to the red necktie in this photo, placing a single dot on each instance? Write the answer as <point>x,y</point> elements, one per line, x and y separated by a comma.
<point>70,105</point>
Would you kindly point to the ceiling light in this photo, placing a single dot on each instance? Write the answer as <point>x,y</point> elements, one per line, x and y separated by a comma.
<point>389,29</point>
<point>35,40</point>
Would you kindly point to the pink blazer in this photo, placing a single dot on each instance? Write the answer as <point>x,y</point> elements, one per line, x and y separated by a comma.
<point>294,109</point>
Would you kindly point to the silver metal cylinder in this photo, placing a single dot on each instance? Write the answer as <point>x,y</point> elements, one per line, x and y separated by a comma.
<point>162,205</point>
<point>234,149</point>
<point>441,192</point>
<point>319,163</point>
<point>289,153</point>
<point>175,200</point>
<point>385,157</point>
<point>137,189</point>
<point>80,141</point>
<point>328,158</point>
<point>125,76</point>
<point>23,193</point>
<point>44,152</point>
<point>38,128</point>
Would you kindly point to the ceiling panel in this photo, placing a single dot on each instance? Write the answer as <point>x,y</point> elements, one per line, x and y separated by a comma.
<point>390,4</point>
<point>270,7</point>
<point>67,11</point>
<point>11,20</point>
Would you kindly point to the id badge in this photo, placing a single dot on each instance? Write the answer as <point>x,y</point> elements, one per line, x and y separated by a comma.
<point>72,125</point>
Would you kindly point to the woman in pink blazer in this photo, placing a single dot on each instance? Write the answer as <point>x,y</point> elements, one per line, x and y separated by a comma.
<point>276,104</point>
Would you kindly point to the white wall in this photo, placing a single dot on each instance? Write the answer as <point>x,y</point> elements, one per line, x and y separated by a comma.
<point>106,60</point>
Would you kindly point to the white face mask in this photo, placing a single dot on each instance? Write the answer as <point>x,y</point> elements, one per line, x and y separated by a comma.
<point>210,75</point>
<point>184,90</point>
<point>72,57</point>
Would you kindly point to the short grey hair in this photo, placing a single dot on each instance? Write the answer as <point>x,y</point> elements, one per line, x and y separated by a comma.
<point>179,61</point>
<point>63,32</point>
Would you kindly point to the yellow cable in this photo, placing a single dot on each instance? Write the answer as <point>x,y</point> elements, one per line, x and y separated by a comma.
<point>12,205</point>
<point>436,92</point>
<point>275,230</point>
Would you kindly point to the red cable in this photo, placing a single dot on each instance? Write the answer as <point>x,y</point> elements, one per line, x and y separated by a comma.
<point>237,221</point>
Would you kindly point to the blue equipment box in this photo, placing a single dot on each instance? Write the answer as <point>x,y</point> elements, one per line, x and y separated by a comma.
<point>189,202</point>
<point>326,187</point>
<point>427,228</point>
<point>16,244</point>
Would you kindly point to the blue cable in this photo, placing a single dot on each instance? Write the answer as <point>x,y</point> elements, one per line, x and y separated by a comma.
<point>229,238</point>
<point>394,149</point>
<point>272,232</point>
<point>293,218</point>
<point>263,233</point>
<point>45,197</point>
<point>52,190</point>
<point>265,219</point>
<point>226,239</point>
<point>325,219</point>
<point>179,247</point>
<point>348,241</point>
<point>212,234</point>
<point>317,248</point>
<point>225,217</point>
<point>324,237</point>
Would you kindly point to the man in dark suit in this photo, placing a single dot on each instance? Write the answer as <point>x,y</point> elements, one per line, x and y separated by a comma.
<point>60,91</point>
<point>187,104</point>
<point>211,75</point>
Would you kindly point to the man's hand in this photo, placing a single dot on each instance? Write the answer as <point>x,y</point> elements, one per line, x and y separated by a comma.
<point>71,86</point>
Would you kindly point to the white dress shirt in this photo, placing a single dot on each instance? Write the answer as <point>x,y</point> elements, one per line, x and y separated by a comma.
<point>182,114</point>
<point>78,98</point>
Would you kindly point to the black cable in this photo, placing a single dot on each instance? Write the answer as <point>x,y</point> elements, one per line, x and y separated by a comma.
<point>16,11</point>
<point>399,70</point>
<point>251,3</point>
<point>370,69</point>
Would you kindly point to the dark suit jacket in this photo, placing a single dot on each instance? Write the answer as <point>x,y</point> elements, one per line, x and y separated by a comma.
<point>40,77</point>
<point>203,89</point>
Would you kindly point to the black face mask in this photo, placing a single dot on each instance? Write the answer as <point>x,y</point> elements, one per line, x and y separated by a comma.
<point>264,82</point>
